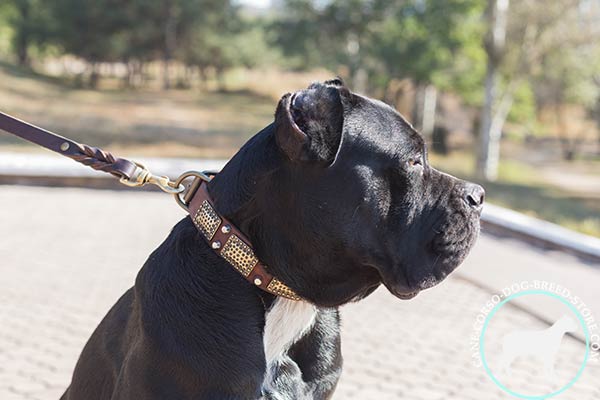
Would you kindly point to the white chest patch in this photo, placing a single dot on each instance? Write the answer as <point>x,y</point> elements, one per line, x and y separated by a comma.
<point>285,323</point>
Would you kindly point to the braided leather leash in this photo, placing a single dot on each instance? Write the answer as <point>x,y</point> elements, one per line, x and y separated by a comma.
<point>98,159</point>
<point>129,172</point>
<point>222,235</point>
<point>87,155</point>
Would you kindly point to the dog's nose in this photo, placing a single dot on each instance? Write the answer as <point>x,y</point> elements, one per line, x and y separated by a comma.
<point>474,195</point>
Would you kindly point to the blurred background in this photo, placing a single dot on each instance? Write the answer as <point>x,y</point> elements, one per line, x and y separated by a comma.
<point>506,93</point>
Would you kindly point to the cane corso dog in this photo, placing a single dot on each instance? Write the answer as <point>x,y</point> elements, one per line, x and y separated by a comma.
<point>337,197</point>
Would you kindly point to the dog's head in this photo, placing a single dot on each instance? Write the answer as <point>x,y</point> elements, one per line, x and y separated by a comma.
<point>353,201</point>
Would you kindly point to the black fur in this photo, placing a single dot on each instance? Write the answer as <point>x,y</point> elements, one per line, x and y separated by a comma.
<point>337,198</point>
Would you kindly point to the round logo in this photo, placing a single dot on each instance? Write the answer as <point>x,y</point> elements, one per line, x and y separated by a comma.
<point>525,359</point>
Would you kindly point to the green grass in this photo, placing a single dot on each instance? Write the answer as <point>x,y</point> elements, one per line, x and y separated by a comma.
<point>521,187</point>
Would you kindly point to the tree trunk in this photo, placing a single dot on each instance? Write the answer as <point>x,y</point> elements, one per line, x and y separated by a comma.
<point>128,77</point>
<point>597,114</point>
<point>21,40</point>
<point>569,145</point>
<point>359,80</point>
<point>220,77</point>
<point>417,111</point>
<point>429,110</point>
<point>358,74</point>
<point>203,77</point>
<point>165,70</point>
<point>94,76</point>
<point>491,126</point>
<point>188,75</point>
<point>495,134</point>
<point>170,44</point>
<point>22,52</point>
<point>142,72</point>
<point>439,142</point>
<point>484,167</point>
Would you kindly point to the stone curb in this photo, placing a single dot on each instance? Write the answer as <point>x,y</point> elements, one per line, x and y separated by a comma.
<point>502,220</point>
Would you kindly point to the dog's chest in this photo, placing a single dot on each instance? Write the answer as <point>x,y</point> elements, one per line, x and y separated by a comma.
<point>286,322</point>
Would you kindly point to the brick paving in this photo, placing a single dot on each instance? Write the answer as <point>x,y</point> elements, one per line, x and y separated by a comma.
<point>58,279</point>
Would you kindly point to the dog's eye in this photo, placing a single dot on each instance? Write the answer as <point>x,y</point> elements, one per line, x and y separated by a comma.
<point>415,161</point>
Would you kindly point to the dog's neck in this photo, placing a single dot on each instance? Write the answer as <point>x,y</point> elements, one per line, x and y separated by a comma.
<point>254,181</point>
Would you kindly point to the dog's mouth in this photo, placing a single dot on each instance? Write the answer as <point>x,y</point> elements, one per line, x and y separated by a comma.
<point>402,295</point>
<point>401,291</point>
<point>443,254</point>
<point>406,296</point>
<point>456,237</point>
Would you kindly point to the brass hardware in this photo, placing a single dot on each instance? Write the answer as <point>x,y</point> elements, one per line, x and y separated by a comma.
<point>64,146</point>
<point>144,176</point>
<point>207,220</point>
<point>235,251</point>
<point>184,197</point>
<point>239,254</point>
<point>281,289</point>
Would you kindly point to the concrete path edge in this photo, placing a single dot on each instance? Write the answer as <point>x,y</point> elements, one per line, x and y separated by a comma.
<point>53,170</point>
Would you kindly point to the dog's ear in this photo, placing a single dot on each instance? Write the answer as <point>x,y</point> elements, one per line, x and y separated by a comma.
<point>337,81</point>
<point>309,123</point>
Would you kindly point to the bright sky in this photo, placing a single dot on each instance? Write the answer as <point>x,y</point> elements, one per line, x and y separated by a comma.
<point>256,3</point>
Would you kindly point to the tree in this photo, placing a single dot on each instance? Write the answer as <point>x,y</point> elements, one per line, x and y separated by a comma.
<point>30,25</point>
<point>388,41</point>
<point>89,29</point>
<point>382,40</point>
<point>422,41</point>
<point>166,26</point>
<point>225,39</point>
<point>135,31</point>
<point>496,15</point>
<point>567,86</point>
<point>331,34</point>
<point>519,37</point>
<point>595,111</point>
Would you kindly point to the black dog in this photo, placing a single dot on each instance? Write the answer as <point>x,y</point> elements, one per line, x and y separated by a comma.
<point>336,197</point>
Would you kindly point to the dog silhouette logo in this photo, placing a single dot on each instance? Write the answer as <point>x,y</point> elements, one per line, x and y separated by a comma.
<point>543,344</point>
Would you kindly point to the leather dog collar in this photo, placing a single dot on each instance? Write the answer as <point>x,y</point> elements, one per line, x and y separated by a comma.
<point>231,244</point>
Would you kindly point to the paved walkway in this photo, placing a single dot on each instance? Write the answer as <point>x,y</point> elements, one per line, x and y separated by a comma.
<point>418,349</point>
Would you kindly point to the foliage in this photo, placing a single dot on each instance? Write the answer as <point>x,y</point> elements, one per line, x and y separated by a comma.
<point>30,24</point>
<point>420,40</point>
<point>88,28</point>
<point>5,29</point>
<point>98,31</point>
<point>297,33</point>
<point>551,55</point>
<point>553,46</point>
<point>223,43</point>
<point>523,109</point>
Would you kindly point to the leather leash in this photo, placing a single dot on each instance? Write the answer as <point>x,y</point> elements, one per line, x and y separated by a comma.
<point>222,236</point>
<point>87,155</point>
<point>130,173</point>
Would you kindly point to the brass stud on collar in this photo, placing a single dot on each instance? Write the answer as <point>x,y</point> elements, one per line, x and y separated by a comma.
<point>64,146</point>
<point>216,245</point>
<point>257,281</point>
<point>226,229</point>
